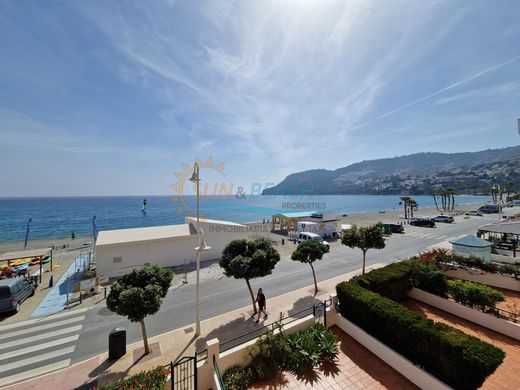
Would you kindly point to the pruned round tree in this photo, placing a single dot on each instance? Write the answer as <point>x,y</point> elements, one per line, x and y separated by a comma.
<point>364,238</point>
<point>139,294</point>
<point>249,259</point>
<point>308,252</point>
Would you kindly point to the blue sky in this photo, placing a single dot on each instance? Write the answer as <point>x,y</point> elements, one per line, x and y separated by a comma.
<point>110,98</point>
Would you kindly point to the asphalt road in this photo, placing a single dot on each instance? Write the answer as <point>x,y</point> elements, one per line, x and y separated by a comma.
<point>220,296</point>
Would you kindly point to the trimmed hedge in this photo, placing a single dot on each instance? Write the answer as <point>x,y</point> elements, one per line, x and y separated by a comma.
<point>391,281</point>
<point>428,277</point>
<point>473,294</point>
<point>460,360</point>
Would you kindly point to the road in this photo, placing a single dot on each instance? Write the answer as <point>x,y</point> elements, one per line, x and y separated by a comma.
<point>34,347</point>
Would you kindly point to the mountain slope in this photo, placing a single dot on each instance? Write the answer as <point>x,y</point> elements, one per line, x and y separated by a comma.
<point>420,173</point>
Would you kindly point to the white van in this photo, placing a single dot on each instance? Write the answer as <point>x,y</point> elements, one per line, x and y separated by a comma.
<point>304,236</point>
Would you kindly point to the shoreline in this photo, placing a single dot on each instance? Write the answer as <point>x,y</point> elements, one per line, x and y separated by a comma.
<point>358,218</point>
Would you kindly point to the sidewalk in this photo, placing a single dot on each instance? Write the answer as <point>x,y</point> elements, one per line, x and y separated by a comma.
<point>56,300</point>
<point>171,346</point>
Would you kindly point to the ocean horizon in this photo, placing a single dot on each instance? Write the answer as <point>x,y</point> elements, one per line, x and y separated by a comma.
<point>57,217</point>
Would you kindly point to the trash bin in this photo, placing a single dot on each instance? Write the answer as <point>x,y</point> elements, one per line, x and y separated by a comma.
<point>116,343</point>
<point>386,229</point>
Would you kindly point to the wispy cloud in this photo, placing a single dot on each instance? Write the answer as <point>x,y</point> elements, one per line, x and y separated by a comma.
<point>495,90</point>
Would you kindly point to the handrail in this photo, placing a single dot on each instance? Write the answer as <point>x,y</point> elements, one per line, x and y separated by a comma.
<point>219,375</point>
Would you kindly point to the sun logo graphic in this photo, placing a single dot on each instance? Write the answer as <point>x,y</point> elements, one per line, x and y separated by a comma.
<point>207,170</point>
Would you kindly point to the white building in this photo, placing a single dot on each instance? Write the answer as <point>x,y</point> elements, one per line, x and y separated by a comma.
<point>120,251</point>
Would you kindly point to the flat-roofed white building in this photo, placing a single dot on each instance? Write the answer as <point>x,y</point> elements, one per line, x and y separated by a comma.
<point>120,251</point>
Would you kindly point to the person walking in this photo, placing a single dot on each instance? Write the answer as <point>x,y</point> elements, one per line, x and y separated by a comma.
<point>260,298</point>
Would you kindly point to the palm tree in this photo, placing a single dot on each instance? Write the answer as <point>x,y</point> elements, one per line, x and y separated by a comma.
<point>404,201</point>
<point>494,193</point>
<point>444,198</point>
<point>450,196</point>
<point>412,204</point>
<point>434,194</point>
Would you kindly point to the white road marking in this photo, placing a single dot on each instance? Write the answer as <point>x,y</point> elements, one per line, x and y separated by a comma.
<point>34,372</point>
<point>38,347</point>
<point>36,359</point>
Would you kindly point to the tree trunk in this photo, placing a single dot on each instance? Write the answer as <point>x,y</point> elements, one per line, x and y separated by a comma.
<point>452,201</point>
<point>411,211</point>
<point>145,338</point>
<point>315,283</point>
<point>364,257</point>
<point>252,296</point>
<point>435,200</point>
<point>405,210</point>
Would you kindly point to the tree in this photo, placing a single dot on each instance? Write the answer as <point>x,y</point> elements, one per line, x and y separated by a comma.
<point>249,259</point>
<point>434,194</point>
<point>509,186</point>
<point>412,204</point>
<point>364,238</point>
<point>308,252</point>
<point>404,201</point>
<point>139,294</point>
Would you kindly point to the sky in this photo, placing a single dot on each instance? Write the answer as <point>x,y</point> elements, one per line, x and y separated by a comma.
<point>112,98</point>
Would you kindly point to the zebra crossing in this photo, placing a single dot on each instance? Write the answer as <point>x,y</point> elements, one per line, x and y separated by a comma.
<point>35,347</point>
<point>427,235</point>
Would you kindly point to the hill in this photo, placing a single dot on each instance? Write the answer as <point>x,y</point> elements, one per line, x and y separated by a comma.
<point>420,173</point>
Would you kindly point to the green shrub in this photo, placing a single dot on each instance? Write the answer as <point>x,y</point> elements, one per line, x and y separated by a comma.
<point>237,378</point>
<point>391,281</point>
<point>474,294</point>
<point>428,277</point>
<point>460,360</point>
<point>272,352</point>
<point>512,270</point>
<point>151,379</point>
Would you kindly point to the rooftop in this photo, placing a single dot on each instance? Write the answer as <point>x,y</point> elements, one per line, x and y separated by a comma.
<point>124,236</point>
<point>508,227</point>
<point>471,240</point>
<point>25,254</point>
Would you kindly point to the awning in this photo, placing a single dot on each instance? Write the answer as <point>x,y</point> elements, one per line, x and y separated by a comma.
<point>42,252</point>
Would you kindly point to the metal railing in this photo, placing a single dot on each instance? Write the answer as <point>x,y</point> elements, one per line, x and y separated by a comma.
<point>221,383</point>
<point>318,311</point>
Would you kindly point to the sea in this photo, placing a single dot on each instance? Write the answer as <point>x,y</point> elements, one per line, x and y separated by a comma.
<point>60,216</point>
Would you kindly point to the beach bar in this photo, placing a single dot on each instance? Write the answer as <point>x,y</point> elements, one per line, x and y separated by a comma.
<point>29,254</point>
<point>120,251</point>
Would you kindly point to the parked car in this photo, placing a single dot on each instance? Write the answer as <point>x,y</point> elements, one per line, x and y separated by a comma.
<point>395,227</point>
<point>473,212</point>
<point>13,292</point>
<point>304,236</point>
<point>489,209</point>
<point>427,222</point>
<point>444,218</point>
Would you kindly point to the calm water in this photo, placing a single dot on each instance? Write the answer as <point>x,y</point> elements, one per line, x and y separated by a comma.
<point>58,217</point>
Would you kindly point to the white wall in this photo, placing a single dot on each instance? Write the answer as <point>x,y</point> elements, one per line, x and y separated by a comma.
<point>166,252</point>
<point>491,322</point>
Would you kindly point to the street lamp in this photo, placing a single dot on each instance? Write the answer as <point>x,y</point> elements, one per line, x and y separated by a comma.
<point>201,247</point>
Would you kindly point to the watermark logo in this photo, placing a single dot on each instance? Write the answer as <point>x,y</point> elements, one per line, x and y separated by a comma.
<point>206,169</point>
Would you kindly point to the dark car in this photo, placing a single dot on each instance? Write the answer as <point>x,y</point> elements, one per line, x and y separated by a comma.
<point>426,222</point>
<point>489,209</point>
<point>395,227</point>
<point>13,292</point>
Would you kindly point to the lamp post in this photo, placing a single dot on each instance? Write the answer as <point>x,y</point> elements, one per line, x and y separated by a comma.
<point>201,247</point>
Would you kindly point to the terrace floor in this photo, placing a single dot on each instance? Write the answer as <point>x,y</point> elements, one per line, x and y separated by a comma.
<point>356,368</point>
<point>507,375</point>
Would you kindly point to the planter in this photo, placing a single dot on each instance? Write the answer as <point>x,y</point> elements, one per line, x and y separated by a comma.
<point>494,280</point>
<point>489,321</point>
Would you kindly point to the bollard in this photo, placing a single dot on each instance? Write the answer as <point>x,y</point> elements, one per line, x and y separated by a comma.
<point>283,241</point>
<point>80,297</point>
<point>51,281</point>
<point>105,293</point>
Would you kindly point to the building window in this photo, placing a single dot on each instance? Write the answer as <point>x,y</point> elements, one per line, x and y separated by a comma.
<point>118,259</point>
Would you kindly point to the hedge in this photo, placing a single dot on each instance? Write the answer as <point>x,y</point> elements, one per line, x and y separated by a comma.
<point>460,360</point>
<point>428,277</point>
<point>473,294</point>
<point>391,281</point>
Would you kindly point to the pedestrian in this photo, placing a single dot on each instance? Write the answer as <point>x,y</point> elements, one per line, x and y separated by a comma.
<point>260,298</point>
